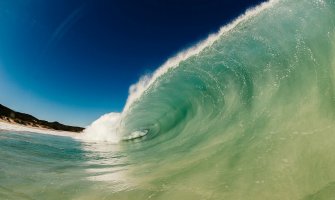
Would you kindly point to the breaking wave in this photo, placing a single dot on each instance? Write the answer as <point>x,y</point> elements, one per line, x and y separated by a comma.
<point>253,106</point>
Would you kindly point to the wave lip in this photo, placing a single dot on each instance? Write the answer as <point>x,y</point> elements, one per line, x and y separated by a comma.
<point>137,90</point>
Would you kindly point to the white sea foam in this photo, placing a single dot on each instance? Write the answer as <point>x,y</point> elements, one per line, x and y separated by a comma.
<point>135,134</point>
<point>106,127</point>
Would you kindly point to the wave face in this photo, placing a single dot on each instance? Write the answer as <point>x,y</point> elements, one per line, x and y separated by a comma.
<point>249,116</point>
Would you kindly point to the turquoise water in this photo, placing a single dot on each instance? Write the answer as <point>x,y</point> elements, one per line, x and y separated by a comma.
<point>37,166</point>
<point>250,116</point>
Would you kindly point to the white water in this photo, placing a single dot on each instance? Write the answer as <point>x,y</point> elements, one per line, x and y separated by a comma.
<point>106,128</point>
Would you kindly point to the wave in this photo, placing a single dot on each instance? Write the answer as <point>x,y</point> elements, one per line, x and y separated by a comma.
<point>100,131</point>
<point>226,61</point>
<point>253,106</point>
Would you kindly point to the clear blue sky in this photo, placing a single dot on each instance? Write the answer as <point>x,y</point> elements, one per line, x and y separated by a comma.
<point>74,60</point>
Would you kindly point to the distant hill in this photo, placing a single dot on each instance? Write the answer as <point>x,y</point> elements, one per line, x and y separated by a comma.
<point>12,116</point>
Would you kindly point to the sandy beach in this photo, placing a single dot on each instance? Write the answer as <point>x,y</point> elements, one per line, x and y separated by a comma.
<point>16,127</point>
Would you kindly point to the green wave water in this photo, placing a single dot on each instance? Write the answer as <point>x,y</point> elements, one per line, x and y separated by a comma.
<point>248,115</point>
<point>251,116</point>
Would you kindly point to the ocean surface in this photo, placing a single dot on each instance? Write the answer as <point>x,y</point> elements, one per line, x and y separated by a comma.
<point>48,167</point>
<point>248,114</point>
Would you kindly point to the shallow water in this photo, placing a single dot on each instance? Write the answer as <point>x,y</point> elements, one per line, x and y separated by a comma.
<point>39,166</point>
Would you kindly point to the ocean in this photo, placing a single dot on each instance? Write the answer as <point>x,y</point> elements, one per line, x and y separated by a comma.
<point>246,114</point>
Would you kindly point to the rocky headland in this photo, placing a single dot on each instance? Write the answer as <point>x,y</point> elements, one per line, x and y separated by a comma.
<point>10,116</point>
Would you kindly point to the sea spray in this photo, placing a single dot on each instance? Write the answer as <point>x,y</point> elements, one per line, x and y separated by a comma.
<point>106,128</point>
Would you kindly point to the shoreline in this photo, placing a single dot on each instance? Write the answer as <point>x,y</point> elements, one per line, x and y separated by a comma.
<point>7,126</point>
